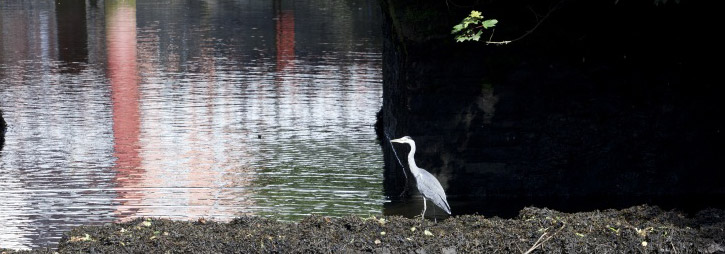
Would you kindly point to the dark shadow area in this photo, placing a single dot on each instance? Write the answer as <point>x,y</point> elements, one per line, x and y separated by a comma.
<point>72,34</point>
<point>605,105</point>
<point>3,128</point>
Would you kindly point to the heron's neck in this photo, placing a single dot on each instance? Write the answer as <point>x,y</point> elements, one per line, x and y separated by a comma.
<point>411,161</point>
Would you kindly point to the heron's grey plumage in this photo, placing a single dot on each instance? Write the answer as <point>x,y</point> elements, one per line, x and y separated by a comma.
<point>432,189</point>
<point>427,184</point>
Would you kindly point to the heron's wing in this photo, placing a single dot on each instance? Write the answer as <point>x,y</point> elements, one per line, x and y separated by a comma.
<point>429,186</point>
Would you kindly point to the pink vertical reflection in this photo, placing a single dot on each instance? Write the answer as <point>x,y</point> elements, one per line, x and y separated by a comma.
<point>123,74</point>
<point>285,37</point>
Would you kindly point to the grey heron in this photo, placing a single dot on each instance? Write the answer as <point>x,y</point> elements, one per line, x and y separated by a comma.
<point>427,184</point>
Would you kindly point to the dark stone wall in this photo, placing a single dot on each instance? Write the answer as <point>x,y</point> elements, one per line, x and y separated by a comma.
<point>604,105</point>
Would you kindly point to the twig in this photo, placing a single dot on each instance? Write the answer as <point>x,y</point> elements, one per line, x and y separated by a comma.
<point>399,162</point>
<point>498,42</point>
<point>538,23</point>
<point>537,243</point>
<point>495,42</point>
<point>543,238</point>
<point>458,5</point>
<point>534,12</point>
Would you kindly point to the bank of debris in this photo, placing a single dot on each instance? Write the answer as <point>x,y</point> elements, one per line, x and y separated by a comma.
<point>640,229</point>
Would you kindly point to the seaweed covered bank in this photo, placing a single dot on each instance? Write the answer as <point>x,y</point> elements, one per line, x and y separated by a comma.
<point>644,229</point>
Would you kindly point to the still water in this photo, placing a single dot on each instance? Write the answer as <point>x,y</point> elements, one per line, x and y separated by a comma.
<point>120,109</point>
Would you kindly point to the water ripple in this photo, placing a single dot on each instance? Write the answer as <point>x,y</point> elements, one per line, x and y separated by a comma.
<point>209,109</point>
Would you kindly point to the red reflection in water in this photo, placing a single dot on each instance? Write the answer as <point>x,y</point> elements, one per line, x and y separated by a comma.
<point>123,72</point>
<point>285,35</point>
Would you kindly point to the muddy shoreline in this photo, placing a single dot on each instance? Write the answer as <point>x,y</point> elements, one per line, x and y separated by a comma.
<point>639,229</point>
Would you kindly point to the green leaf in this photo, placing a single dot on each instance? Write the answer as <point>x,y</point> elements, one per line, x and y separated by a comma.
<point>457,28</point>
<point>489,23</point>
<point>477,36</point>
<point>468,21</point>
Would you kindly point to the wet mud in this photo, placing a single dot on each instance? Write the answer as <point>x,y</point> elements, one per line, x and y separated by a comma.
<point>639,229</point>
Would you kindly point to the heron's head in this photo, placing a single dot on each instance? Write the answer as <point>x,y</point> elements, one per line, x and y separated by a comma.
<point>405,139</point>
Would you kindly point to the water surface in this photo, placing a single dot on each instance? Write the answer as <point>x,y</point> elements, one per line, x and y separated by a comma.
<point>186,109</point>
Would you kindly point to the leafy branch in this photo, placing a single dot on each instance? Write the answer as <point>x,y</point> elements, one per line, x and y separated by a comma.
<point>471,28</point>
<point>467,32</point>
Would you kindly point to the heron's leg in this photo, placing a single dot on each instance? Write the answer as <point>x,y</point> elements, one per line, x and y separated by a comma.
<point>434,215</point>
<point>422,215</point>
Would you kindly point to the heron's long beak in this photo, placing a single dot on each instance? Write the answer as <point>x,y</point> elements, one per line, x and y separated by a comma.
<point>397,140</point>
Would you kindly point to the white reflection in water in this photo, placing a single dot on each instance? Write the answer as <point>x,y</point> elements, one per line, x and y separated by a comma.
<point>216,111</point>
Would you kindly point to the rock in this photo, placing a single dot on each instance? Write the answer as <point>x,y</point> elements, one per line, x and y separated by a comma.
<point>449,250</point>
<point>3,127</point>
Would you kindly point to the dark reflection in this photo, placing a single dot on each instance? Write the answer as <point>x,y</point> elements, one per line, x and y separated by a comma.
<point>72,34</point>
<point>3,127</point>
